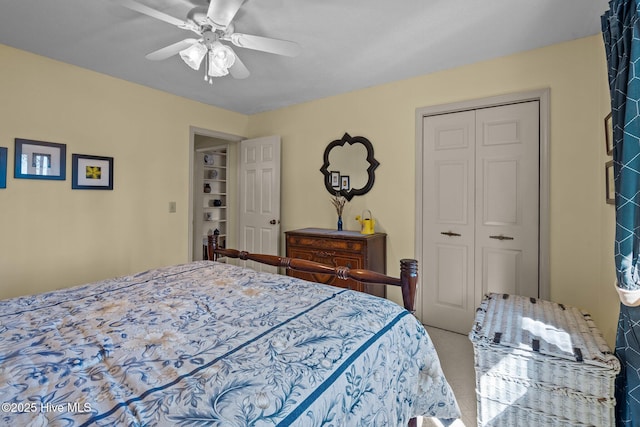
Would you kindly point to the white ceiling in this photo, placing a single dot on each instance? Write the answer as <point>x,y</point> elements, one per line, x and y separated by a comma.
<point>346,44</point>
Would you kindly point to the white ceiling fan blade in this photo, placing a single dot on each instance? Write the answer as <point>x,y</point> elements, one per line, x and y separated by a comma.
<point>170,50</point>
<point>238,70</point>
<point>146,10</point>
<point>221,12</point>
<point>265,44</point>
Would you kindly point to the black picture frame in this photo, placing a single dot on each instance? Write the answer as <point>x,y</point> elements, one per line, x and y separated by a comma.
<point>608,134</point>
<point>91,172</point>
<point>335,180</point>
<point>345,183</point>
<point>40,160</point>
<point>610,191</point>
<point>3,167</point>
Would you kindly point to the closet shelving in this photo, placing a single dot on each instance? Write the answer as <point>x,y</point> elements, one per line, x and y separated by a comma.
<point>213,186</point>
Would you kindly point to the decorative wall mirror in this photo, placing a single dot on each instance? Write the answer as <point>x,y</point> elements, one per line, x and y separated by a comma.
<point>349,166</point>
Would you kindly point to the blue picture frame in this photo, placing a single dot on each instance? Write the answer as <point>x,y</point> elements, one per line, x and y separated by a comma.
<point>3,167</point>
<point>40,160</point>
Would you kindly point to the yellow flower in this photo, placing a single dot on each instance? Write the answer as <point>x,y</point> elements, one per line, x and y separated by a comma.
<point>93,172</point>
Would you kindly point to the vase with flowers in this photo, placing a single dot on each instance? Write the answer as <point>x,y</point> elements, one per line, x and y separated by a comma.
<point>339,201</point>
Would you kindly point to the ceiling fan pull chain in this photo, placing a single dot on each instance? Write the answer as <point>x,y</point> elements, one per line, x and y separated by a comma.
<point>207,77</point>
<point>206,67</point>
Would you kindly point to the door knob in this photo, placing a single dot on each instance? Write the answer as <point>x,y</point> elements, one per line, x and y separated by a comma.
<point>274,222</point>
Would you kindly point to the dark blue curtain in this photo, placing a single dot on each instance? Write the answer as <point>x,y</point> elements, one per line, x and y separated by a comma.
<point>622,46</point>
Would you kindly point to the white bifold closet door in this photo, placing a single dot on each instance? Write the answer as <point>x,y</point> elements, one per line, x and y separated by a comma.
<point>480,210</point>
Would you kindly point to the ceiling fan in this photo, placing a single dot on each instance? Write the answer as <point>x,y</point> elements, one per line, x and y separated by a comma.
<point>213,24</point>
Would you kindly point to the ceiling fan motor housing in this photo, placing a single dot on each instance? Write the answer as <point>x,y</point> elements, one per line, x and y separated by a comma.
<point>209,37</point>
<point>198,16</point>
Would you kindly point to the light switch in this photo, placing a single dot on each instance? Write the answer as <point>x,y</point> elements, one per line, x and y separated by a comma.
<point>172,207</point>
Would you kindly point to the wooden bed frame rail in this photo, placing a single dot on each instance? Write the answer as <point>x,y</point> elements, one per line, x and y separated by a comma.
<point>407,281</point>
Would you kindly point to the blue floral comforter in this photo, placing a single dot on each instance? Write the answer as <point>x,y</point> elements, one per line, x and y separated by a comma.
<point>213,344</point>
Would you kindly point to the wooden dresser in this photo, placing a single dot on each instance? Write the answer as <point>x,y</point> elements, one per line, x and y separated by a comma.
<point>339,248</point>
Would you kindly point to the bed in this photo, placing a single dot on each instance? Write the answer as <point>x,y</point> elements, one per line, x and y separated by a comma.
<point>210,343</point>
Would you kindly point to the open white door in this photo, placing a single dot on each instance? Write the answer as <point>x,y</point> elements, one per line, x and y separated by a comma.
<point>260,198</point>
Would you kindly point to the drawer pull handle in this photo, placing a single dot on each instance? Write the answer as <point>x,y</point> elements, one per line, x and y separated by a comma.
<point>501,237</point>
<point>450,234</point>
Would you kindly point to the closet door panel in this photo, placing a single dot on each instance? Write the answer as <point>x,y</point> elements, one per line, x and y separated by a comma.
<point>500,201</point>
<point>449,211</point>
<point>452,282</point>
<point>507,199</point>
<point>452,189</point>
<point>502,267</point>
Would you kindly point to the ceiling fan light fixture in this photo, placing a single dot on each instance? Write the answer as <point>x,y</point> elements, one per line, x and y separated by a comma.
<point>221,57</point>
<point>193,55</point>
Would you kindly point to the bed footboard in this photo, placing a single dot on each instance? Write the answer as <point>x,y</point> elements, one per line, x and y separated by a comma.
<point>407,281</point>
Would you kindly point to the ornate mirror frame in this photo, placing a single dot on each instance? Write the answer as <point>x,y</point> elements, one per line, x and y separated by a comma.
<point>373,164</point>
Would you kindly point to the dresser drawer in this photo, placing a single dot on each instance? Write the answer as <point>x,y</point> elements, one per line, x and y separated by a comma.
<point>339,249</point>
<point>327,257</point>
<point>325,243</point>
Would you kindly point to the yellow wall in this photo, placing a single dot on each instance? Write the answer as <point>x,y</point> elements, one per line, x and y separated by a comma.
<point>582,224</point>
<point>52,236</point>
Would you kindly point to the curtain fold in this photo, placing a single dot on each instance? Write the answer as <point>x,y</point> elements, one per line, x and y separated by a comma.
<point>622,47</point>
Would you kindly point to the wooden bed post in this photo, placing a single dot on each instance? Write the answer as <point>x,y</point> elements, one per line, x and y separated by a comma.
<point>409,279</point>
<point>212,245</point>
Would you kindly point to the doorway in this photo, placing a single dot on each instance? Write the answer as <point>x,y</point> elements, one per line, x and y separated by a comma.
<point>201,140</point>
<point>472,165</point>
<point>251,173</point>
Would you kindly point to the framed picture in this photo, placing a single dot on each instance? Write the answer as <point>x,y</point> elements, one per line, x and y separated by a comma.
<point>335,179</point>
<point>3,167</point>
<point>40,160</point>
<point>608,134</point>
<point>345,182</point>
<point>91,172</point>
<point>609,183</point>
